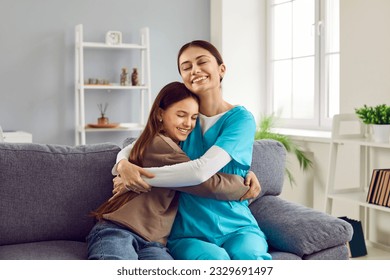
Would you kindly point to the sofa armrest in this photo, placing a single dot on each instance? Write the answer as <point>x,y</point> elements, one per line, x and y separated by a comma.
<point>294,228</point>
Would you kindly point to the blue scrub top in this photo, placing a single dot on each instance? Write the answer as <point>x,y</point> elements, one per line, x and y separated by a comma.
<point>207,218</point>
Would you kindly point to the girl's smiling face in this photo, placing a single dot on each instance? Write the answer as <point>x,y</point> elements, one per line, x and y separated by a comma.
<point>199,70</point>
<point>179,119</point>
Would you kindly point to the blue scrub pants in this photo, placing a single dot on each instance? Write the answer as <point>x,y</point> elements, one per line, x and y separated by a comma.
<point>241,245</point>
<point>108,241</point>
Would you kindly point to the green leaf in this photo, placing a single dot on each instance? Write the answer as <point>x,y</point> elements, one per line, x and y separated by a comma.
<point>264,132</point>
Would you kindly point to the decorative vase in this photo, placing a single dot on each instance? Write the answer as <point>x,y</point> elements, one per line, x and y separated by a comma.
<point>381,132</point>
<point>102,120</point>
<point>134,77</point>
<point>124,78</point>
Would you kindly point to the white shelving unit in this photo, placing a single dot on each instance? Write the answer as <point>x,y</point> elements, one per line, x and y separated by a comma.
<point>81,88</point>
<point>355,194</point>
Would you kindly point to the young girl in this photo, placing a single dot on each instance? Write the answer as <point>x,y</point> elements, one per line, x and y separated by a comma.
<point>136,226</point>
<point>222,140</point>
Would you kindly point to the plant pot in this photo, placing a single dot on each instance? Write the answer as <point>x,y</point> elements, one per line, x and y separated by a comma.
<point>381,132</point>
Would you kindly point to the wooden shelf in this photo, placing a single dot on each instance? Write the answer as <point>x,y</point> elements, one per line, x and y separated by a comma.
<point>121,127</point>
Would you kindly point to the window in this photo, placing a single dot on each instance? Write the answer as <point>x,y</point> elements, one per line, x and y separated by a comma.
<point>303,70</point>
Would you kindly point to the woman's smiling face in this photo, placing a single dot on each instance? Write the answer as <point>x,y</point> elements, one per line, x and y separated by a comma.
<point>199,70</point>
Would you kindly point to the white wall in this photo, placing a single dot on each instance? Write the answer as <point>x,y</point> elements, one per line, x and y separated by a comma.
<point>233,25</point>
<point>365,55</point>
<point>37,57</point>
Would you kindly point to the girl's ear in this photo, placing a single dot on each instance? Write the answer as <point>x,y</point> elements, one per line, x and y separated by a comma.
<point>160,113</point>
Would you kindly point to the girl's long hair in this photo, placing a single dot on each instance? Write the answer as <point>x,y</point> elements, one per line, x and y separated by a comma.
<point>169,95</point>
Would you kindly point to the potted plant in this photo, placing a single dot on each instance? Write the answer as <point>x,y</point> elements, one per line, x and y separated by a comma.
<point>379,118</point>
<point>264,132</point>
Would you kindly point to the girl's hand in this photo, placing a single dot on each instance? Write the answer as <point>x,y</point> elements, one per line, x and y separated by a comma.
<point>254,187</point>
<point>119,188</point>
<point>131,176</point>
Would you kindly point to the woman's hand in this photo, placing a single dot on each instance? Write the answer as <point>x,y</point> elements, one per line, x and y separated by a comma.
<point>131,176</point>
<point>254,187</point>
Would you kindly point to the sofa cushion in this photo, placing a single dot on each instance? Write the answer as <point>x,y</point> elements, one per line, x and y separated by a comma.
<point>128,141</point>
<point>45,250</point>
<point>340,252</point>
<point>268,163</point>
<point>278,255</point>
<point>294,228</point>
<point>58,188</point>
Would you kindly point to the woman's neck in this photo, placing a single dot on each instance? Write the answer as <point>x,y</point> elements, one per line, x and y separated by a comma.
<point>213,104</point>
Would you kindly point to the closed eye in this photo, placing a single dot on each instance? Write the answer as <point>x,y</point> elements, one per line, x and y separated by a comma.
<point>186,66</point>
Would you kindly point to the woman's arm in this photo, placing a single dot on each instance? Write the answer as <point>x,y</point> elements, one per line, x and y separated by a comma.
<point>183,174</point>
<point>189,173</point>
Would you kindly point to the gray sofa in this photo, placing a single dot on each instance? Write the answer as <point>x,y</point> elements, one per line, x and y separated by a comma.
<point>47,192</point>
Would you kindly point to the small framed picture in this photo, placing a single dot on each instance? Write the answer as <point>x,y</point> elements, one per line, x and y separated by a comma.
<point>114,38</point>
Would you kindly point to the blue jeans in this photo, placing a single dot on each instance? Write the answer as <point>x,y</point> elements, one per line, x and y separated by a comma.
<point>108,241</point>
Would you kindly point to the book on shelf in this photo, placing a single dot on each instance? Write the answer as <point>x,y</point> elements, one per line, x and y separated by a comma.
<point>386,201</point>
<point>374,178</point>
<point>381,195</point>
<point>379,188</point>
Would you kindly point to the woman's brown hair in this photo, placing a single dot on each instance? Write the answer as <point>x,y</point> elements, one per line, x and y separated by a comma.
<point>169,95</point>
